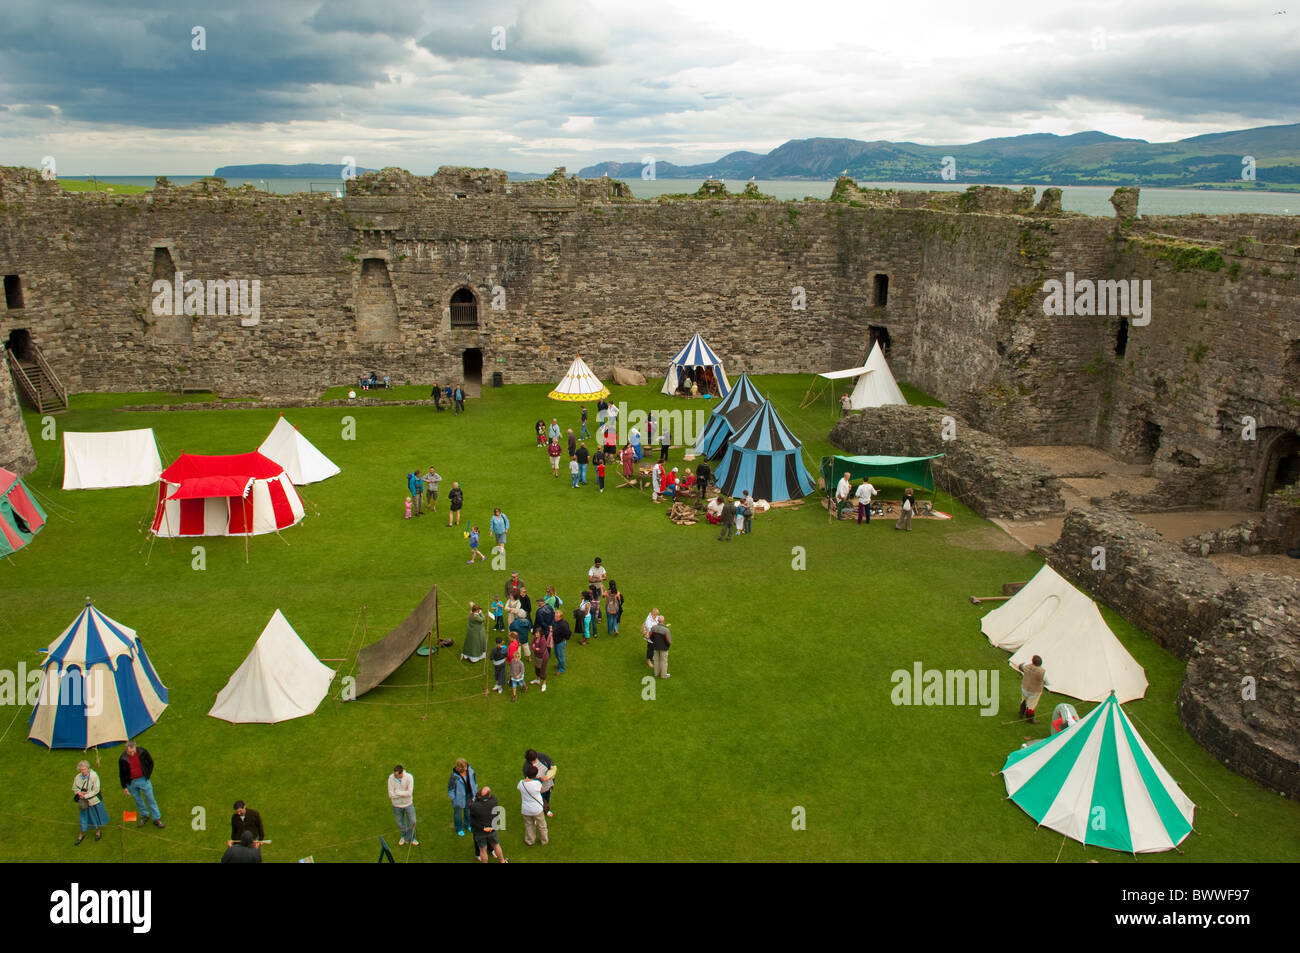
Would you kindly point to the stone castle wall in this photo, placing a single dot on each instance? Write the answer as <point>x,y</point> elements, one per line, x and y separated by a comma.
<point>365,283</point>
<point>16,451</point>
<point>978,469</point>
<point>1240,696</point>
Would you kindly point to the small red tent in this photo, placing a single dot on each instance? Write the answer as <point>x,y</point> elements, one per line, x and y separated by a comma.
<point>242,494</point>
<point>21,517</point>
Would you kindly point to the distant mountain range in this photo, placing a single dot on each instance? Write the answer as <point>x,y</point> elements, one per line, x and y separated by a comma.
<point>1085,158</point>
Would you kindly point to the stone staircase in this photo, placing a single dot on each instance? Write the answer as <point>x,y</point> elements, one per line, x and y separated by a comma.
<point>36,381</point>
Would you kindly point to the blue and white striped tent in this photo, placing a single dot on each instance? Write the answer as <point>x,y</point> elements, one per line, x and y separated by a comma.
<point>765,458</point>
<point>99,687</point>
<point>695,354</point>
<point>729,416</point>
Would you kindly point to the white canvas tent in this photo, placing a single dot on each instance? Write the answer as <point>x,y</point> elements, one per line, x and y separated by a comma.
<point>579,384</point>
<point>876,386</point>
<point>280,679</point>
<point>1052,619</point>
<point>99,461</point>
<point>299,457</point>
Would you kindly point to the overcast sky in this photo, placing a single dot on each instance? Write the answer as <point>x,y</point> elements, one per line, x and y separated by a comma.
<point>118,88</point>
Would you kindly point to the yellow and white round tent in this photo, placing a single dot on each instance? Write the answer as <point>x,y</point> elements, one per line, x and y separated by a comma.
<point>579,384</point>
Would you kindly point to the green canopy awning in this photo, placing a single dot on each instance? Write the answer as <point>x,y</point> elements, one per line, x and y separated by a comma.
<point>914,470</point>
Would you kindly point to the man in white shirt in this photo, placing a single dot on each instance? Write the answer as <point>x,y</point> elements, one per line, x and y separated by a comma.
<point>530,794</point>
<point>596,578</point>
<point>864,494</point>
<point>745,513</point>
<point>842,492</point>
<point>401,791</point>
<point>653,619</point>
<point>611,419</point>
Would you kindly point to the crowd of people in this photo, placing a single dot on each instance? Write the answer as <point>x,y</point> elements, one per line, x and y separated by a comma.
<point>475,810</point>
<point>537,632</point>
<point>701,381</point>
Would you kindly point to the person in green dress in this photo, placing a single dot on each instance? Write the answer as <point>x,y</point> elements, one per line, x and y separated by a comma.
<point>475,646</point>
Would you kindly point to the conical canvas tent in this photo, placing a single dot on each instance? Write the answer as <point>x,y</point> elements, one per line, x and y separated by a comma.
<point>300,459</point>
<point>280,679</point>
<point>243,494</point>
<point>876,387</point>
<point>97,461</point>
<point>1098,783</point>
<point>21,517</point>
<point>730,415</point>
<point>579,384</point>
<point>1027,613</point>
<point>99,686</point>
<point>765,458</point>
<point>1052,619</point>
<point>695,354</point>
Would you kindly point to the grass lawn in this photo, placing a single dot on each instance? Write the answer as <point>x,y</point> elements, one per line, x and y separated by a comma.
<point>780,698</point>
<point>85,185</point>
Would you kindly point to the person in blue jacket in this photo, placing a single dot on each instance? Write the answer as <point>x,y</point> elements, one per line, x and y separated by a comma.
<point>499,526</point>
<point>461,788</point>
<point>415,484</point>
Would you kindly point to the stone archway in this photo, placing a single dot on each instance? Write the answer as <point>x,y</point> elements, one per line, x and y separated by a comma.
<point>1280,463</point>
<point>464,310</point>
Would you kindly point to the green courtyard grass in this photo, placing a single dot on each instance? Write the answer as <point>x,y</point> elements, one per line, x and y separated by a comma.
<point>779,705</point>
<point>85,185</point>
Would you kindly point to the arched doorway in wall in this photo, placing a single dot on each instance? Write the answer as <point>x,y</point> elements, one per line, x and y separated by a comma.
<point>1281,463</point>
<point>19,343</point>
<point>464,310</point>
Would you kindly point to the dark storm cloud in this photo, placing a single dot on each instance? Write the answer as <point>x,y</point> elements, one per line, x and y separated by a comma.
<point>137,65</point>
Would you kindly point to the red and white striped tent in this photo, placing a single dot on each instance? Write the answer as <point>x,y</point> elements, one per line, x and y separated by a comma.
<point>243,494</point>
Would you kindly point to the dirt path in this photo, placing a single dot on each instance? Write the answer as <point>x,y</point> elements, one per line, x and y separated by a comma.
<point>1235,565</point>
<point>1172,526</point>
<point>1087,473</point>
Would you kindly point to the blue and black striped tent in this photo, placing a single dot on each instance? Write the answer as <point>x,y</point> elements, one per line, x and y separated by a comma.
<point>728,417</point>
<point>695,354</point>
<point>766,459</point>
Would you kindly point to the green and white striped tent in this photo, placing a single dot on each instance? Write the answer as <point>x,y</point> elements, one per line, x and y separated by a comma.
<point>1099,783</point>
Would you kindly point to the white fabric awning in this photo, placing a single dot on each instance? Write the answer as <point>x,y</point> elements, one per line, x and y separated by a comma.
<point>840,375</point>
